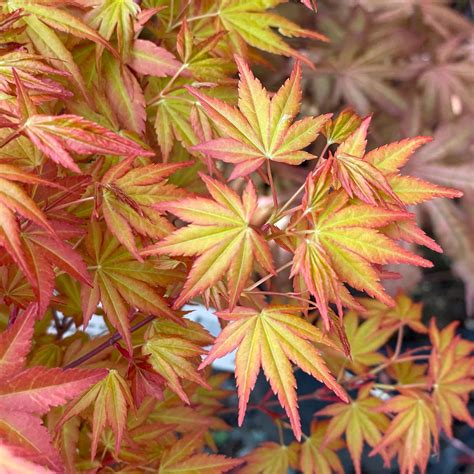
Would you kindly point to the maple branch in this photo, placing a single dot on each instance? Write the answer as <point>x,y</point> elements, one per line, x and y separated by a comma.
<point>106,344</point>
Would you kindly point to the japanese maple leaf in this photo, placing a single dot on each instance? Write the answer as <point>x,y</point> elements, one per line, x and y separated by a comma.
<point>174,351</point>
<point>389,159</point>
<point>261,129</point>
<point>359,421</point>
<point>57,135</point>
<point>452,381</point>
<point>340,128</point>
<point>270,339</point>
<point>196,57</point>
<point>445,78</point>
<point>28,393</point>
<point>14,200</point>
<point>406,312</point>
<point>272,458</point>
<point>115,18</point>
<point>44,253</point>
<point>365,338</point>
<point>443,339</point>
<point>35,75</point>
<point>342,245</point>
<point>318,457</point>
<point>11,463</point>
<point>182,457</point>
<point>248,22</point>
<point>221,233</point>
<point>129,196</point>
<point>111,398</point>
<point>357,176</point>
<point>120,283</point>
<point>414,426</point>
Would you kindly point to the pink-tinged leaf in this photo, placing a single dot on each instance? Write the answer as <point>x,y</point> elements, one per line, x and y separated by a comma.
<point>125,95</point>
<point>355,144</point>
<point>110,396</point>
<point>345,246</point>
<point>261,128</point>
<point>10,239</point>
<point>311,4</point>
<point>410,232</point>
<point>62,255</point>
<point>38,389</point>
<point>85,137</point>
<point>65,22</point>
<point>16,199</point>
<point>270,339</point>
<point>390,158</point>
<point>413,190</point>
<point>43,276</point>
<point>14,173</point>
<point>148,58</point>
<point>11,463</point>
<point>15,342</point>
<point>222,237</point>
<point>26,437</point>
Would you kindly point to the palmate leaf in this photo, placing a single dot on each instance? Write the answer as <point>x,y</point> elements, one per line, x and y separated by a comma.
<point>182,457</point>
<point>10,463</point>
<point>172,357</point>
<point>149,59</point>
<point>450,373</point>
<point>129,196</point>
<point>248,22</point>
<point>221,233</point>
<point>271,339</point>
<point>271,458</point>
<point>414,426</point>
<point>261,129</point>
<point>344,245</point>
<point>175,351</point>
<point>318,457</point>
<point>406,312</point>
<point>197,58</point>
<point>111,397</point>
<point>26,393</point>
<point>56,135</point>
<point>60,20</point>
<point>115,17</point>
<point>120,283</point>
<point>44,252</point>
<point>365,338</point>
<point>357,66</point>
<point>389,159</point>
<point>34,73</point>
<point>359,421</point>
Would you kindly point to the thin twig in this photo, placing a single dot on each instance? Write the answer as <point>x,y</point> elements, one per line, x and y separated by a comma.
<point>272,185</point>
<point>106,344</point>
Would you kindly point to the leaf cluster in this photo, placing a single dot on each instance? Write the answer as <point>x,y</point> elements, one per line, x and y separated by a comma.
<point>143,168</point>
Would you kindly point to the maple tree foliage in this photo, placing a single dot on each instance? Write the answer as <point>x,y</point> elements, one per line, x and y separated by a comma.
<point>141,165</point>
